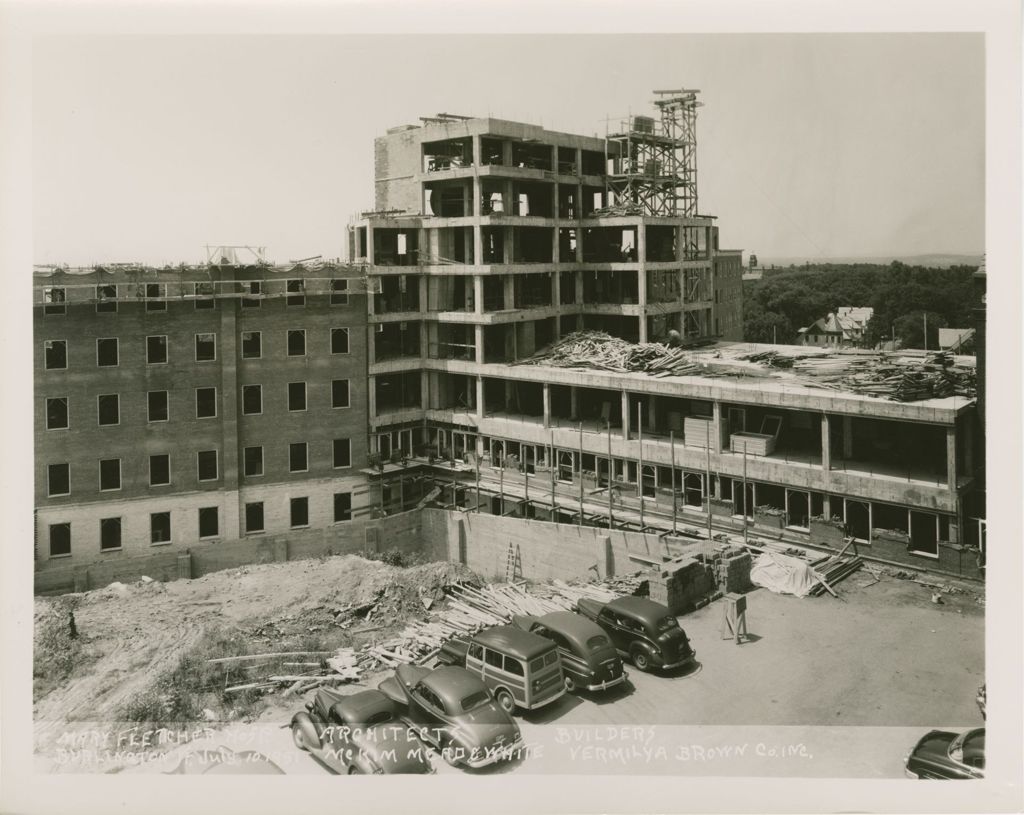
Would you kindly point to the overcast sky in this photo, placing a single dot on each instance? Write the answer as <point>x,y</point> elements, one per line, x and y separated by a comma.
<point>148,148</point>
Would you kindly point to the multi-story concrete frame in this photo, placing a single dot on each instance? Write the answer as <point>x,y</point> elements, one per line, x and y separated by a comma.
<point>205,403</point>
<point>491,239</point>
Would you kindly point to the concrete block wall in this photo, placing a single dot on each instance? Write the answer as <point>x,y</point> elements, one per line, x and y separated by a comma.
<point>545,549</point>
<point>400,532</point>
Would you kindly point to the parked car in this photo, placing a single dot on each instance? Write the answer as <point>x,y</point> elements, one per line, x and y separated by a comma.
<point>942,754</point>
<point>642,630</point>
<point>224,761</point>
<point>454,712</point>
<point>589,660</point>
<point>358,734</point>
<point>521,669</point>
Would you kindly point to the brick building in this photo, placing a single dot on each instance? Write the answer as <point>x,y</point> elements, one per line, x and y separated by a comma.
<point>181,405</point>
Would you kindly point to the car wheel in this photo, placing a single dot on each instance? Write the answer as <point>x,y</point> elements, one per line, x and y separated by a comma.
<point>504,698</point>
<point>298,737</point>
<point>640,660</point>
<point>570,683</point>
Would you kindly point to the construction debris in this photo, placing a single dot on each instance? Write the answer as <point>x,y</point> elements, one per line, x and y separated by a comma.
<point>902,376</point>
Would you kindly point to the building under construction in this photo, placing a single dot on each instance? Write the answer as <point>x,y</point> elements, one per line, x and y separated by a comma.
<point>240,401</point>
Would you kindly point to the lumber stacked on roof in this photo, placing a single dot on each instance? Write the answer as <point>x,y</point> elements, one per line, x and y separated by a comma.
<point>754,444</point>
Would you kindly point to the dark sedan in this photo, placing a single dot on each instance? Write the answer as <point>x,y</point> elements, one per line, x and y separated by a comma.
<point>358,734</point>
<point>589,660</point>
<point>453,711</point>
<point>942,754</point>
<point>642,630</point>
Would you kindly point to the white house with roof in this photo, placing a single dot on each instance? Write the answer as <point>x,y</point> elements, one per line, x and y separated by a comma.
<point>843,328</point>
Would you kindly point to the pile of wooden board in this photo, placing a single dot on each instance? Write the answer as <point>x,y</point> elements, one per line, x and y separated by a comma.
<point>832,570</point>
<point>596,349</point>
<point>339,668</point>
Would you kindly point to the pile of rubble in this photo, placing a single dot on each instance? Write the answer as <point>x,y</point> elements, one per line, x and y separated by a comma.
<point>437,602</point>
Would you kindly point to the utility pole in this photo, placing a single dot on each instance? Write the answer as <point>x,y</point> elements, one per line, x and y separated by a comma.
<point>581,474</point>
<point>477,483</point>
<point>553,465</point>
<point>640,459</point>
<point>926,331</point>
<point>672,449</point>
<point>744,493</point>
<point>611,473</point>
<point>707,474</point>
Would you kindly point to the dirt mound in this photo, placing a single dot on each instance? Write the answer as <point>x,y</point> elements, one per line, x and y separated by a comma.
<point>366,593</point>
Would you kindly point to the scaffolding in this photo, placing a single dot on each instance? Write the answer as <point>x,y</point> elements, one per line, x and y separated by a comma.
<point>655,171</point>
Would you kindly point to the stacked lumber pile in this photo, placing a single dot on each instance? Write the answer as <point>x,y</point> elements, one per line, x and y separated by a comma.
<point>901,377</point>
<point>834,569</point>
<point>601,351</point>
<point>342,667</point>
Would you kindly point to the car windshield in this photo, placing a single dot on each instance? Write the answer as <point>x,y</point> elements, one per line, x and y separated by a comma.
<point>597,641</point>
<point>969,748</point>
<point>474,700</point>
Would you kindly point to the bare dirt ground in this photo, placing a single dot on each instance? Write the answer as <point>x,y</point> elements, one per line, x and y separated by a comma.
<point>128,635</point>
<point>871,668</point>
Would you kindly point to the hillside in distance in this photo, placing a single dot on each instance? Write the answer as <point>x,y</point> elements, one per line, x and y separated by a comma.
<point>937,261</point>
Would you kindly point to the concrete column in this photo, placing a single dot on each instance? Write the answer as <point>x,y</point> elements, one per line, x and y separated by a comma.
<point>847,437</point>
<point>625,415</point>
<point>478,242</point>
<point>547,404</point>
<point>605,558</point>
<point>951,474</point>
<point>479,341</point>
<point>479,399</point>
<point>509,283</point>
<point>716,416</point>
<point>826,505</point>
<point>651,412</point>
<point>478,294</point>
<point>371,396</point>
<point>368,249</point>
<point>506,247</point>
<point>508,395</point>
<point>425,390</point>
<point>826,448</point>
<point>478,153</point>
<point>574,403</point>
<point>578,282</point>
<point>556,289</point>
<point>967,429</point>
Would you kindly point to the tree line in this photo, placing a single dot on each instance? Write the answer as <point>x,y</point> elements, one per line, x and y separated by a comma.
<point>777,306</point>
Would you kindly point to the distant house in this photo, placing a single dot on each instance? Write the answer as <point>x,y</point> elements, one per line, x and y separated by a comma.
<point>843,329</point>
<point>953,339</point>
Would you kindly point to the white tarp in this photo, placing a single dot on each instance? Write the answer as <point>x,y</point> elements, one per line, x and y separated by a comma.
<point>782,574</point>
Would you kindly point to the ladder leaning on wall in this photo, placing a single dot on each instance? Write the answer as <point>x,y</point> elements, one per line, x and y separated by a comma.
<point>513,564</point>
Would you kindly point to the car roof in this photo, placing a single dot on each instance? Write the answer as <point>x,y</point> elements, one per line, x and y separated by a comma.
<point>360,707</point>
<point>574,627</point>
<point>513,641</point>
<point>639,607</point>
<point>453,684</point>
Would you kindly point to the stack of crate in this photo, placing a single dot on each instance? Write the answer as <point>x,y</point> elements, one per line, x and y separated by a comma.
<point>681,583</point>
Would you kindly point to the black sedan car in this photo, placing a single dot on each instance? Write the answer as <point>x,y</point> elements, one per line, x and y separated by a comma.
<point>453,711</point>
<point>642,630</point>
<point>589,660</point>
<point>358,734</point>
<point>941,754</point>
